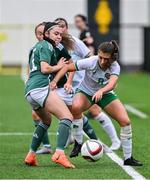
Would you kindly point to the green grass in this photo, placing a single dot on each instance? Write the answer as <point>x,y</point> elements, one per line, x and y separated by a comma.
<point>15,116</point>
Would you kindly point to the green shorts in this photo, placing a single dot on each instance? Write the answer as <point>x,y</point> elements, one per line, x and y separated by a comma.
<point>106,99</point>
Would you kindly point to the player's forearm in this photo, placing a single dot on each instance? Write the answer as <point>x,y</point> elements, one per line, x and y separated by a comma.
<point>50,69</point>
<point>67,68</point>
<point>70,77</point>
<point>110,86</point>
<point>107,88</point>
<point>60,74</point>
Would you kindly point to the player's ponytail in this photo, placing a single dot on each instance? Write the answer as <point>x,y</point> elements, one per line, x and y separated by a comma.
<point>68,41</point>
<point>110,48</point>
<point>115,54</point>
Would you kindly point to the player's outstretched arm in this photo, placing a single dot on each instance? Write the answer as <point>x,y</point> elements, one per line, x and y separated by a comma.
<point>67,68</point>
<point>68,84</point>
<point>47,69</point>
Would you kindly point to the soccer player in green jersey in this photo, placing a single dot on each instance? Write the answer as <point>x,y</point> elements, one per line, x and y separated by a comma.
<point>42,99</point>
<point>101,76</point>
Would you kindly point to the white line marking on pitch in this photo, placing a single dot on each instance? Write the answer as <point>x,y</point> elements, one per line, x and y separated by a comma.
<point>21,133</point>
<point>114,157</point>
<point>135,111</point>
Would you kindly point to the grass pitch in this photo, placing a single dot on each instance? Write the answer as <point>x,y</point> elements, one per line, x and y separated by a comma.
<point>15,116</point>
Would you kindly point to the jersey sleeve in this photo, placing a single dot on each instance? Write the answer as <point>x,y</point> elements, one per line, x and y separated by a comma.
<point>115,69</point>
<point>81,49</point>
<point>85,64</point>
<point>46,53</point>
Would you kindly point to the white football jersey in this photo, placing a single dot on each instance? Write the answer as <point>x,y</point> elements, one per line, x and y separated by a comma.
<point>80,52</point>
<point>95,78</point>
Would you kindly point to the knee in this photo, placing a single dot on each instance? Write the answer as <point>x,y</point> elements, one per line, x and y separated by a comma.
<point>125,122</point>
<point>76,108</point>
<point>95,110</point>
<point>47,121</point>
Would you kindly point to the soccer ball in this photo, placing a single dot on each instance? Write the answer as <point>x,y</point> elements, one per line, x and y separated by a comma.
<point>92,150</point>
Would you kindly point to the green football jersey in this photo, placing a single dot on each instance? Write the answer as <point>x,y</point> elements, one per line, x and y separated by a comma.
<point>60,52</point>
<point>42,51</point>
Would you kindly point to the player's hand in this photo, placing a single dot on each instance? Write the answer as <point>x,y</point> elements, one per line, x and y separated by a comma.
<point>97,96</point>
<point>68,88</point>
<point>62,62</point>
<point>53,85</point>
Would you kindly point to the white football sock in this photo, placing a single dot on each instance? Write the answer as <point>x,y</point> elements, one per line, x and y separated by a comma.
<point>126,141</point>
<point>78,130</point>
<point>107,126</point>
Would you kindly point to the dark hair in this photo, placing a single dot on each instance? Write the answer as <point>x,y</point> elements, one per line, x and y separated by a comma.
<point>82,17</point>
<point>41,24</point>
<point>111,48</point>
<point>61,19</point>
<point>48,26</point>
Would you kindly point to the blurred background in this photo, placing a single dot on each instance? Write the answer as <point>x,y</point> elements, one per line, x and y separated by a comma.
<point>127,21</point>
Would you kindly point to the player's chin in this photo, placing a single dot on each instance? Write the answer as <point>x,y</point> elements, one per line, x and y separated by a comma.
<point>57,42</point>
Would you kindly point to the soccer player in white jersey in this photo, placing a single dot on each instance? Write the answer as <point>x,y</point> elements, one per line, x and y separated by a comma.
<point>81,51</point>
<point>101,77</point>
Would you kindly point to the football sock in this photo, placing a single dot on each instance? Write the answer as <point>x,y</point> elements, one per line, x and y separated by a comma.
<point>107,125</point>
<point>126,141</point>
<point>88,129</point>
<point>78,130</point>
<point>45,139</point>
<point>63,133</point>
<point>38,136</point>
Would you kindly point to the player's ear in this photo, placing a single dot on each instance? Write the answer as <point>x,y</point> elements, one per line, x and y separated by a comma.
<point>46,34</point>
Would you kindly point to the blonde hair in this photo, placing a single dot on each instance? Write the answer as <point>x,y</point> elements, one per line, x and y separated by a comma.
<point>68,41</point>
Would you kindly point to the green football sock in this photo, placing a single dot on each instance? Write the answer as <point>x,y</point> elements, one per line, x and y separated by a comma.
<point>38,136</point>
<point>63,133</point>
<point>88,129</point>
<point>45,139</point>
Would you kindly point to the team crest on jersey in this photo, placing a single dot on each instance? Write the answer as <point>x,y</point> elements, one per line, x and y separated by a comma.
<point>107,75</point>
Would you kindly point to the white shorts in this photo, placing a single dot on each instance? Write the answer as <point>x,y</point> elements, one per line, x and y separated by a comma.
<point>66,97</point>
<point>37,97</point>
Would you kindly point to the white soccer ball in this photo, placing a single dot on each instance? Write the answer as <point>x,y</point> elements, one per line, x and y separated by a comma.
<point>92,150</point>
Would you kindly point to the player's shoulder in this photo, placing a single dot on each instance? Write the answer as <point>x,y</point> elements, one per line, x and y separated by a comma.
<point>76,40</point>
<point>91,61</point>
<point>115,68</point>
<point>115,64</point>
<point>60,47</point>
<point>80,47</point>
<point>44,44</point>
